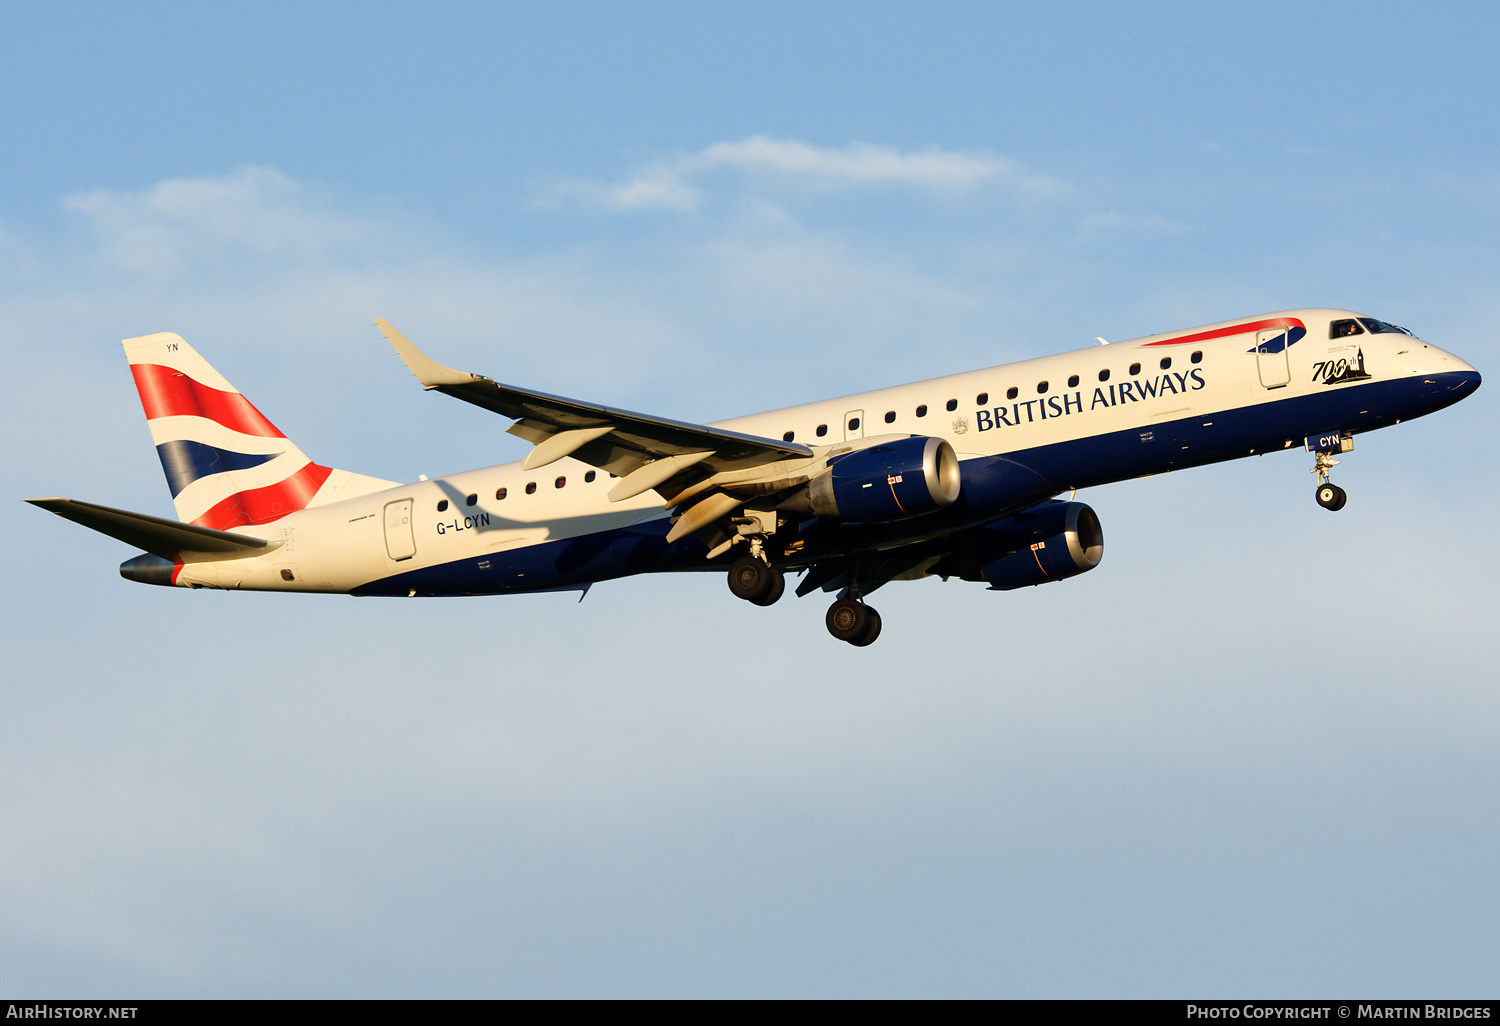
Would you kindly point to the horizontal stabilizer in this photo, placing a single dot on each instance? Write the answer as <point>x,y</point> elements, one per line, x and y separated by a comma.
<point>169,539</point>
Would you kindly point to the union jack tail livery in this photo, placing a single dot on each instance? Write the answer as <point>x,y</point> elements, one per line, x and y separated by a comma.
<point>227,465</point>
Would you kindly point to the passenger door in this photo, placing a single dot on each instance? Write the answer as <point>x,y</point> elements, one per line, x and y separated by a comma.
<point>399,542</point>
<point>1271,357</point>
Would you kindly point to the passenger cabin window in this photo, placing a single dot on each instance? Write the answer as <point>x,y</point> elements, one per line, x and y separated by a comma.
<point>1197,356</point>
<point>559,482</point>
<point>789,436</point>
<point>1135,368</point>
<point>1166,362</point>
<point>1041,388</point>
<point>822,430</point>
<point>952,405</point>
<point>530,487</point>
<point>981,398</point>
<point>853,423</point>
<point>1344,328</point>
<point>1012,392</point>
<point>921,411</point>
<point>471,500</point>
<point>442,505</point>
<point>1104,374</point>
<point>500,493</point>
<point>1073,381</point>
<point>890,417</point>
<point>589,477</point>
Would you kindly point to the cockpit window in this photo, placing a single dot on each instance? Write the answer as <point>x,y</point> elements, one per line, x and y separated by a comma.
<point>1345,327</point>
<point>1381,327</point>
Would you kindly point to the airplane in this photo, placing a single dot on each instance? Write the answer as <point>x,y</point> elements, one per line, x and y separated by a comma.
<point>958,476</point>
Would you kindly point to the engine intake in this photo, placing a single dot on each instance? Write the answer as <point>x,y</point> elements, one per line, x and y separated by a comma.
<point>887,481</point>
<point>1049,543</point>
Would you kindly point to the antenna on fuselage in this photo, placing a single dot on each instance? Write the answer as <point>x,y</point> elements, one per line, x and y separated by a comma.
<point>1100,341</point>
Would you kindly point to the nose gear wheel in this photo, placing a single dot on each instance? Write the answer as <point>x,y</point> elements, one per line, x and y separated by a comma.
<point>1330,496</point>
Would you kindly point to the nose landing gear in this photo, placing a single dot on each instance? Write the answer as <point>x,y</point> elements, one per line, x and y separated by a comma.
<point>1328,494</point>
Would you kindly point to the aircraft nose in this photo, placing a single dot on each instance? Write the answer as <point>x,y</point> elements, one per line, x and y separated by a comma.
<point>1432,360</point>
<point>1464,377</point>
<point>1448,363</point>
<point>1454,377</point>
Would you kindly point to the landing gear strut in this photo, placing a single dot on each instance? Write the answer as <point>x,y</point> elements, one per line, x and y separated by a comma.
<point>849,619</point>
<point>1329,495</point>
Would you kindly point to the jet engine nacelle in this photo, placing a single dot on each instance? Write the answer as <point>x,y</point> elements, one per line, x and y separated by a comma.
<point>887,481</point>
<point>1049,543</point>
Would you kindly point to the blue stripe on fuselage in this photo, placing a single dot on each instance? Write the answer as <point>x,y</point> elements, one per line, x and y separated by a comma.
<point>639,548</point>
<point>993,486</point>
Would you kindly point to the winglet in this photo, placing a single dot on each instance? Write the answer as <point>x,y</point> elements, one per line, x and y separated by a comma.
<point>429,372</point>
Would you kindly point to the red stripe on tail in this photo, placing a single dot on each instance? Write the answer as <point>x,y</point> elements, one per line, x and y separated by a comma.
<point>170,393</point>
<point>262,505</point>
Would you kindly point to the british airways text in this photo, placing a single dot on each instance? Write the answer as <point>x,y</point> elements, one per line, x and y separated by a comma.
<point>1031,410</point>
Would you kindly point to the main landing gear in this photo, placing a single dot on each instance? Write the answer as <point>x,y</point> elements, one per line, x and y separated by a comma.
<point>1329,495</point>
<point>754,580</point>
<point>849,619</point>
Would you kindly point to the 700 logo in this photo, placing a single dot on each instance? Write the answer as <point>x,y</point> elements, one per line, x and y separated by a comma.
<point>1343,369</point>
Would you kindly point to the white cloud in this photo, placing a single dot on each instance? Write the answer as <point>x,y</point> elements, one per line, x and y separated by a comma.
<point>657,188</point>
<point>255,208</point>
<point>1136,224</point>
<point>793,164</point>
<point>860,163</point>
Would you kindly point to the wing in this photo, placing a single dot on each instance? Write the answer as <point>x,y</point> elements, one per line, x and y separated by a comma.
<point>645,452</point>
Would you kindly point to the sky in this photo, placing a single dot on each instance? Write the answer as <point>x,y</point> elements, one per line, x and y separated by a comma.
<point>1252,753</point>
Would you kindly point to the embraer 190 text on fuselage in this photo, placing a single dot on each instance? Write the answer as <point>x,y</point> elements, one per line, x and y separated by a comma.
<point>952,477</point>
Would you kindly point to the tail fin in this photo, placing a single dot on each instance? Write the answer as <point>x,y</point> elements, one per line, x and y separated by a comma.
<point>226,464</point>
